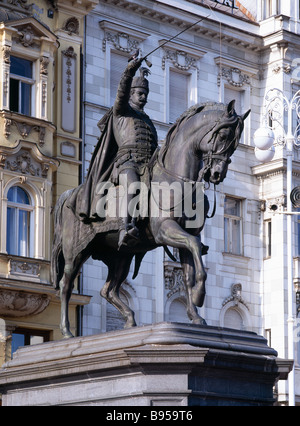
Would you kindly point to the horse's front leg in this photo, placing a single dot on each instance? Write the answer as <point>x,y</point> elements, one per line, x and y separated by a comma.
<point>189,282</point>
<point>172,234</point>
<point>66,285</point>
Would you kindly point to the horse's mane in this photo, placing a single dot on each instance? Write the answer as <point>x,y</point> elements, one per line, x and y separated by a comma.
<point>224,121</point>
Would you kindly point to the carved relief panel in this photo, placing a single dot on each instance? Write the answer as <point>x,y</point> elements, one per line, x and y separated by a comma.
<point>68,93</point>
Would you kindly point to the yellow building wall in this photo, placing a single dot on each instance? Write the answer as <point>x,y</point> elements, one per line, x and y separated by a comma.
<point>52,38</point>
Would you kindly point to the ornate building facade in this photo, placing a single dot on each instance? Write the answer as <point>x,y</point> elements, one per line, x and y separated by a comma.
<point>40,143</point>
<point>233,53</point>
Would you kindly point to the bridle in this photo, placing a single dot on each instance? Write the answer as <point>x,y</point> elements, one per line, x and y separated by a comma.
<point>207,158</point>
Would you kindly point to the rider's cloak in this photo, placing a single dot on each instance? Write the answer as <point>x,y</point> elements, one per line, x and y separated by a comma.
<point>84,199</point>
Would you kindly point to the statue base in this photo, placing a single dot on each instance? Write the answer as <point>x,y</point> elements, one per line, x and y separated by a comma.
<point>167,364</point>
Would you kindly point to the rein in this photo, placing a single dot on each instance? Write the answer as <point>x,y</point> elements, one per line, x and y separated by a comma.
<point>193,182</point>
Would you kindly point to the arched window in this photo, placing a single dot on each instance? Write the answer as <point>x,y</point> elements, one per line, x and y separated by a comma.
<point>177,311</point>
<point>233,319</point>
<point>19,211</point>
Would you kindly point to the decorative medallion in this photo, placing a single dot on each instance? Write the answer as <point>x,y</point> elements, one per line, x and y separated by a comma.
<point>234,77</point>
<point>27,36</point>
<point>71,26</point>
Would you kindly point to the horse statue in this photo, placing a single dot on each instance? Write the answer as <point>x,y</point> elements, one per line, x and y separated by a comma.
<point>197,149</point>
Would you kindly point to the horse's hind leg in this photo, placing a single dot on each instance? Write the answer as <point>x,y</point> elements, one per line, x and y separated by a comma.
<point>66,285</point>
<point>118,270</point>
<point>189,279</point>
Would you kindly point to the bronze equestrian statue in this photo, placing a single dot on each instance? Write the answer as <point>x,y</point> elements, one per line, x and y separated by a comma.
<point>197,149</point>
<point>130,141</point>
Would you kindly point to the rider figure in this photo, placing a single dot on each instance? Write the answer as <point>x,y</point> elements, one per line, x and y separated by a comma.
<point>135,135</point>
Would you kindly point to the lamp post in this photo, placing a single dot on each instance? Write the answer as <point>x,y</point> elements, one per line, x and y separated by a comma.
<point>278,109</point>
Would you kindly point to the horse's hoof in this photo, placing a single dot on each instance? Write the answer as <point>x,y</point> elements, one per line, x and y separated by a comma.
<point>67,334</point>
<point>129,325</point>
<point>199,321</point>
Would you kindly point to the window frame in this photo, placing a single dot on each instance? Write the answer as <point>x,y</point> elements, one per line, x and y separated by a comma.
<point>26,80</point>
<point>110,96</point>
<point>267,238</point>
<point>28,333</point>
<point>29,208</point>
<point>192,74</point>
<point>228,245</point>
<point>188,75</point>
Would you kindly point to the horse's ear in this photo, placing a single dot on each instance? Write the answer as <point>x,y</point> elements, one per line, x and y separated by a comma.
<point>246,115</point>
<point>230,108</point>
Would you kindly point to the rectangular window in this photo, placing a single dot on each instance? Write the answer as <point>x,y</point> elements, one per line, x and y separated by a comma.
<point>233,226</point>
<point>271,8</point>
<point>267,239</point>
<point>21,83</point>
<point>178,94</point>
<point>23,337</point>
<point>19,213</point>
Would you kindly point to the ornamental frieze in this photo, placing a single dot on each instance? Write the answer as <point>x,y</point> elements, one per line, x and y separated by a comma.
<point>24,129</point>
<point>24,164</point>
<point>20,304</point>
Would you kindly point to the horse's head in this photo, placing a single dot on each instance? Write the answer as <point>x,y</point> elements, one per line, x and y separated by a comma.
<point>220,142</point>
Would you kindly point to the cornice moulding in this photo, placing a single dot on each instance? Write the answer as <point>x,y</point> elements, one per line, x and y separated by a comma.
<point>198,53</point>
<point>183,18</point>
<point>275,168</point>
<point>78,8</point>
<point>229,63</point>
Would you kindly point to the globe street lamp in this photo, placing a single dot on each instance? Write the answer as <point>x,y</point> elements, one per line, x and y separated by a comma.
<point>277,108</point>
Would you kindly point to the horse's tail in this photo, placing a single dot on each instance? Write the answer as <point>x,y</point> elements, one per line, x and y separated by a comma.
<point>57,258</point>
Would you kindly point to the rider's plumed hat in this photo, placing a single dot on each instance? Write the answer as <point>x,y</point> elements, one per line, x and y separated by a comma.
<point>141,82</point>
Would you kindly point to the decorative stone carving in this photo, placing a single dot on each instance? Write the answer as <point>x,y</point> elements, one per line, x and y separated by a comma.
<point>24,268</point>
<point>7,124</point>
<point>23,163</point>
<point>173,279</point>
<point>287,69</point>
<point>68,90</point>
<point>180,60</point>
<point>234,77</point>
<point>20,304</point>
<point>27,36</point>
<point>276,203</point>
<point>24,129</point>
<point>6,54</point>
<point>236,296</point>
<point>44,62</point>
<point>121,41</point>
<point>20,3</point>
<point>2,160</point>
<point>69,54</point>
<point>71,26</point>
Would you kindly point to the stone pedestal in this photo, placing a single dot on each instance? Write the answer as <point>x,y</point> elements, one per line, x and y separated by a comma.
<point>167,364</point>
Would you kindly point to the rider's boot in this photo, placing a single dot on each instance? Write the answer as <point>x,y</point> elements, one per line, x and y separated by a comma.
<point>129,236</point>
